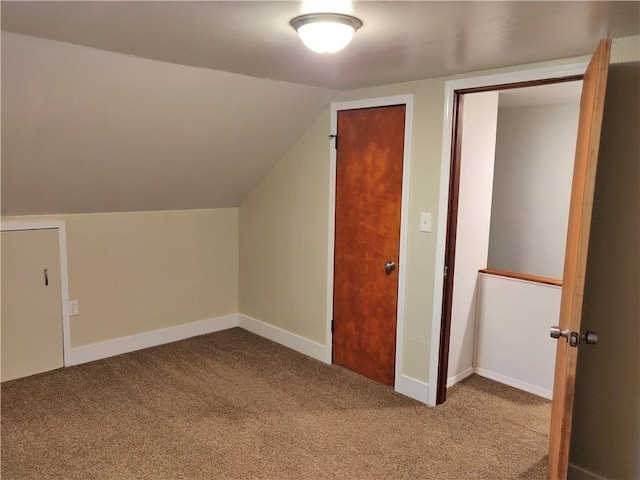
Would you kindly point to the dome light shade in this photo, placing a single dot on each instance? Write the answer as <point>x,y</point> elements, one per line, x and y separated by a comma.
<point>326,32</point>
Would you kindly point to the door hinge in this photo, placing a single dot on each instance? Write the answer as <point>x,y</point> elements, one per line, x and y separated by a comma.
<point>446,272</point>
<point>335,137</point>
<point>332,323</point>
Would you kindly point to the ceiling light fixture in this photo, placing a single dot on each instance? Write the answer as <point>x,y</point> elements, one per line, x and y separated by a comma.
<point>326,32</point>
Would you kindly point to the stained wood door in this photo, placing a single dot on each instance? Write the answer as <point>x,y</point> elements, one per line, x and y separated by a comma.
<point>367,236</point>
<point>575,262</point>
<point>31,322</point>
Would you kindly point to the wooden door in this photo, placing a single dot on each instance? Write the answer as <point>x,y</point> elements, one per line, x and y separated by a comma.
<point>370,148</point>
<point>575,262</point>
<point>31,322</point>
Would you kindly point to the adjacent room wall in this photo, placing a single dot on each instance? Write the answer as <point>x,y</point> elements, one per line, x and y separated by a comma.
<point>535,149</point>
<point>479,119</point>
<point>138,272</point>
<point>605,436</point>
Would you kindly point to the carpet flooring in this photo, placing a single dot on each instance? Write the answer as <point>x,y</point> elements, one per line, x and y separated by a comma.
<point>232,405</point>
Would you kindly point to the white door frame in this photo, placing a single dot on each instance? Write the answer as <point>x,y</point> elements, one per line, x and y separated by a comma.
<point>450,88</point>
<point>64,278</point>
<point>406,100</point>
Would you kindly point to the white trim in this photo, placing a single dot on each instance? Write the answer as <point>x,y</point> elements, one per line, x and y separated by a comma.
<point>512,382</point>
<point>450,87</point>
<point>407,100</point>
<point>404,238</point>
<point>278,335</point>
<point>331,230</point>
<point>459,377</point>
<point>64,273</point>
<point>578,473</point>
<point>118,346</point>
<point>413,388</point>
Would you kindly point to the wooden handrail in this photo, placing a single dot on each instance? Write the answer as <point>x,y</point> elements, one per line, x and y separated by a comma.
<point>523,276</point>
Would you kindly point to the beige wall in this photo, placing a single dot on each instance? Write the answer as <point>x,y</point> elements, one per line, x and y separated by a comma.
<point>142,271</point>
<point>290,246</point>
<point>283,240</point>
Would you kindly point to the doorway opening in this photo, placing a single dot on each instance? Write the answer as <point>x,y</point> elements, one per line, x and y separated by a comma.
<point>513,176</point>
<point>592,101</point>
<point>455,92</point>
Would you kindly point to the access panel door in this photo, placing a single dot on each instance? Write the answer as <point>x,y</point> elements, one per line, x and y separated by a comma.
<point>31,333</point>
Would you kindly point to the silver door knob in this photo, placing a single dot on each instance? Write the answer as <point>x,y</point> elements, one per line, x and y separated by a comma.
<point>389,267</point>
<point>555,332</point>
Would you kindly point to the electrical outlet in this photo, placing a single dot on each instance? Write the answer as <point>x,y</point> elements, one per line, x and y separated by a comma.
<point>73,308</point>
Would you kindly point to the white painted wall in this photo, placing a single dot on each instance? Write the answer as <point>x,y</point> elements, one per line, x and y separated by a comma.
<point>480,115</point>
<point>535,150</point>
<point>512,332</point>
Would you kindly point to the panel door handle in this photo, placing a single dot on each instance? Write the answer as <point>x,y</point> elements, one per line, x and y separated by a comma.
<point>574,339</point>
<point>389,267</point>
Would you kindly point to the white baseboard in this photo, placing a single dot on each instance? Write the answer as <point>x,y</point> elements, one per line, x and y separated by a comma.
<point>461,376</point>
<point>288,339</point>
<point>413,388</point>
<point>512,382</point>
<point>408,386</point>
<point>579,473</point>
<point>117,346</point>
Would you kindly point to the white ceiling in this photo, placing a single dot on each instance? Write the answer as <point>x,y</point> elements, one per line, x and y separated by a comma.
<point>208,96</point>
<point>399,41</point>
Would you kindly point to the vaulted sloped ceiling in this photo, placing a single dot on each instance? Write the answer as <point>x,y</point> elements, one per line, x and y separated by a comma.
<point>188,104</point>
<point>85,130</point>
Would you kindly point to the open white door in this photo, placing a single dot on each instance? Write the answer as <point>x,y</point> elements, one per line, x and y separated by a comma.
<point>568,330</point>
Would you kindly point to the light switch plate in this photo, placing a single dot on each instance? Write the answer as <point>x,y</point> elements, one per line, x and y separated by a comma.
<point>425,222</point>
